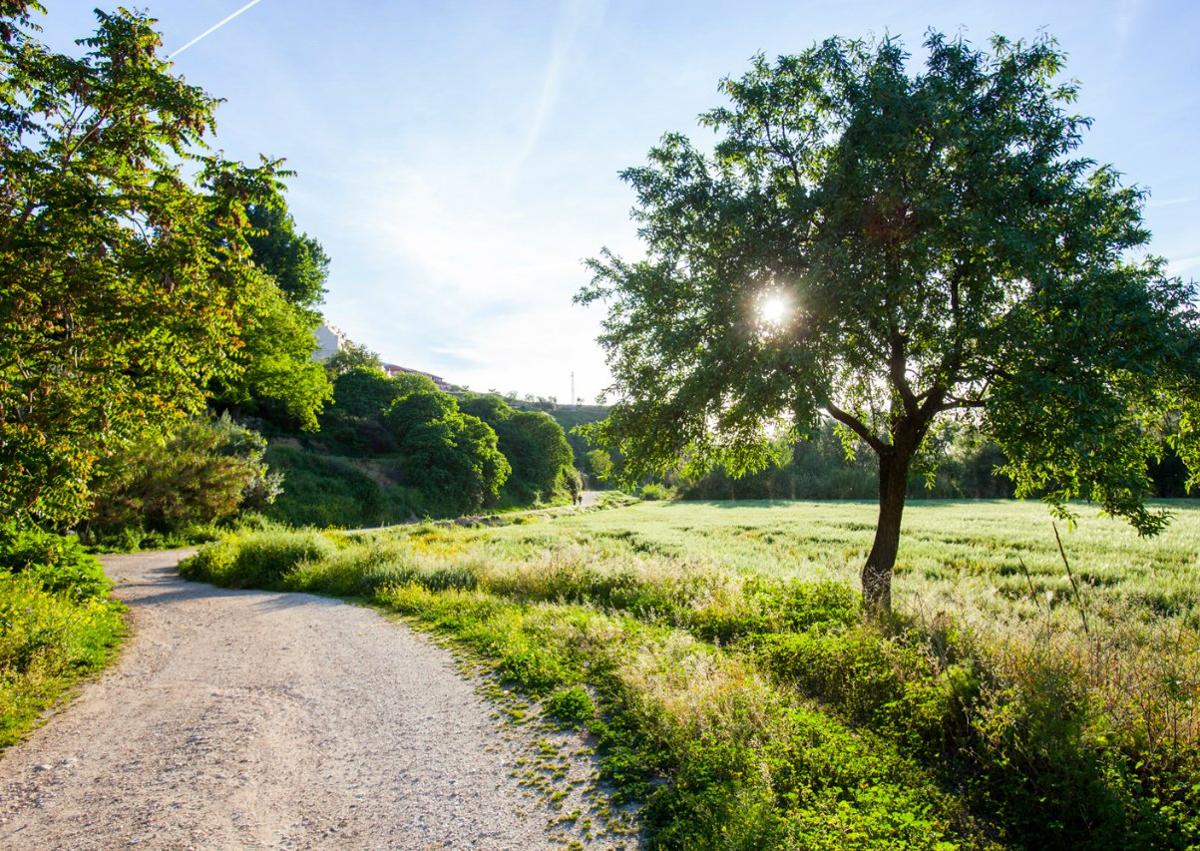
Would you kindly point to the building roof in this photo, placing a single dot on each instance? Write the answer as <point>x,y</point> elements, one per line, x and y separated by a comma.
<point>394,369</point>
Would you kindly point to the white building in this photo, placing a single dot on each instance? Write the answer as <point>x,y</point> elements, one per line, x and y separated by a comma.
<point>330,341</point>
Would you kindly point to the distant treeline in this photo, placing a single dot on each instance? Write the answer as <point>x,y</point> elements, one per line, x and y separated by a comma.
<point>961,468</point>
<point>390,449</point>
<point>819,469</point>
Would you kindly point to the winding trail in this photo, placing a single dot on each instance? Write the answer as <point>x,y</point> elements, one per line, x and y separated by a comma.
<point>250,719</point>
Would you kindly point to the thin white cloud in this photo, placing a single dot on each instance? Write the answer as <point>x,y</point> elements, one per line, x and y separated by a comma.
<point>1180,265</point>
<point>571,20</point>
<point>1127,15</point>
<point>1168,202</point>
<point>215,27</point>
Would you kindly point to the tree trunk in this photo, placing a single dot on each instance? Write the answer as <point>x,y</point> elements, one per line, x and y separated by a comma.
<point>877,572</point>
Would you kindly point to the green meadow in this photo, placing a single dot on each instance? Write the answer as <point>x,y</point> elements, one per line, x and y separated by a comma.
<point>961,556</point>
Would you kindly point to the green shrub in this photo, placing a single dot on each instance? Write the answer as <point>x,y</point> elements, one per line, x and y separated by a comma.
<point>56,623</point>
<point>58,563</point>
<point>653,491</point>
<point>257,559</point>
<point>358,570</point>
<point>570,706</point>
<point>152,490</point>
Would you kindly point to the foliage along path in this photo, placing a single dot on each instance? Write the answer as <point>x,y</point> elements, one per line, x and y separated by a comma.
<point>257,719</point>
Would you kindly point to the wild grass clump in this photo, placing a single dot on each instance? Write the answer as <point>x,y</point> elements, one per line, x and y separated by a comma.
<point>1015,731</point>
<point>570,706</point>
<point>57,623</point>
<point>257,559</point>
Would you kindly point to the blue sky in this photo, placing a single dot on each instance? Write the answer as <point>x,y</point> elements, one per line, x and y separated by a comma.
<point>459,160</point>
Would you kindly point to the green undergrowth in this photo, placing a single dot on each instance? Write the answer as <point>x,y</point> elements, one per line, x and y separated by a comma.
<point>57,624</point>
<point>328,490</point>
<point>746,710</point>
<point>132,540</point>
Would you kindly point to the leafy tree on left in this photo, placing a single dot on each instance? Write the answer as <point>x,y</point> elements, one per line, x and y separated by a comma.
<point>279,381</point>
<point>126,284</point>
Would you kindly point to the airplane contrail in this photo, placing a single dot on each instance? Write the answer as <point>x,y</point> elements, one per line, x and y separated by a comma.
<point>215,27</point>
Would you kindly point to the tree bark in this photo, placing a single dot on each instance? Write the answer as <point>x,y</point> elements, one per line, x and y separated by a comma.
<point>877,572</point>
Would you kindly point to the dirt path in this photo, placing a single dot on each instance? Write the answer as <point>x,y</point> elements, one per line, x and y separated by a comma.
<point>247,719</point>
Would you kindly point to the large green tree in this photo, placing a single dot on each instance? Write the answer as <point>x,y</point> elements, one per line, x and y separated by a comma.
<point>352,356</point>
<point>890,248</point>
<point>452,456</point>
<point>125,272</point>
<point>278,380</point>
<point>276,377</point>
<point>534,444</point>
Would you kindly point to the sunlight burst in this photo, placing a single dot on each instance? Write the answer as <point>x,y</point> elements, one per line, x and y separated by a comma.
<point>774,309</point>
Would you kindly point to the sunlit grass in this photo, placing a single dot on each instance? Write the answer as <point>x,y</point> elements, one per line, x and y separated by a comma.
<point>958,556</point>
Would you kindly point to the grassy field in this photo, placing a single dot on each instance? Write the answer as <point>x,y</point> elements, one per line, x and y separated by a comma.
<point>718,653</point>
<point>964,557</point>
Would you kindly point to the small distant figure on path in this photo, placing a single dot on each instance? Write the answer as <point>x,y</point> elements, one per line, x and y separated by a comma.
<point>574,485</point>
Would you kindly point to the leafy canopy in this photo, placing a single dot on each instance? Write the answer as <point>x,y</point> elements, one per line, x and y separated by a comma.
<point>364,391</point>
<point>888,249</point>
<point>351,356</point>
<point>295,260</point>
<point>444,452</point>
<point>124,282</point>
<point>276,378</point>
<point>534,444</point>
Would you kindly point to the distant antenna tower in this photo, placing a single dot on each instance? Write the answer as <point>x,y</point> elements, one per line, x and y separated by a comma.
<point>573,387</point>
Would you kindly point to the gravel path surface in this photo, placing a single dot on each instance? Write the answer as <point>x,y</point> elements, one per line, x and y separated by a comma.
<point>249,719</point>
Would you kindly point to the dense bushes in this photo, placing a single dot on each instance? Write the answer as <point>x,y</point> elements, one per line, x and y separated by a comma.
<point>452,456</point>
<point>324,490</point>
<point>537,449</point>
<point>204,473</point>
<point>417,450</point>
<point>56,623</point>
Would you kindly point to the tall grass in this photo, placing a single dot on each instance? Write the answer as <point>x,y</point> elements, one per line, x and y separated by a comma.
<point>57,623</point>
<point>740,694</point>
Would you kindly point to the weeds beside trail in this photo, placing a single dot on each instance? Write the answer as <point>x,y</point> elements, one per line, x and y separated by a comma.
<point>748,708</point>
<point>57,624</point>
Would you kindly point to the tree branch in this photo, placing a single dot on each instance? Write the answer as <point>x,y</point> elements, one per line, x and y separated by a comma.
<point>897,366</point>
<point>858,427</point>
